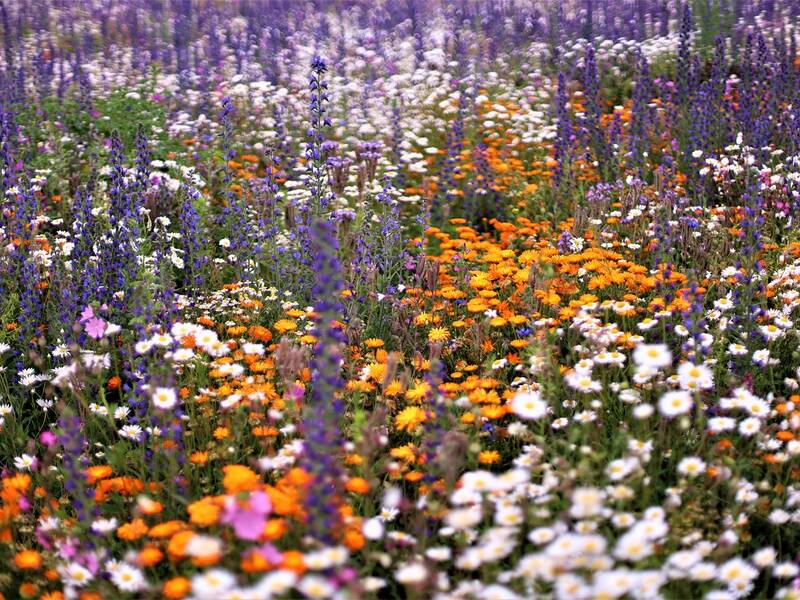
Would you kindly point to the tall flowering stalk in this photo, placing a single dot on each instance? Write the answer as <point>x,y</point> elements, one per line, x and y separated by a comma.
<point>719,67</point>
<point>748,294</point>
<point>641,116</point>
<point>65,292</point>
<point>30,300</point>
<point>234,213</point>
<point>73,444</point>
<point>684,56</point>
<point>84,235</point>
<point>591,90</point>
<point>324,409</point>
<point>121,247</point>
<point>194,260</point>
<point>564,132</point>
<point>446,199</point>
<point>316,177</point>
<point>315,163</point>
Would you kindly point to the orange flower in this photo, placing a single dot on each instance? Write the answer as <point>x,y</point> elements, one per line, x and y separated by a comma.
<point>353,540</point>
<point>275,529</point>
<point>298,477</point>
<point>177,545</point>
<point>489,457</point>
<point>357,485</point>
<point>114,383</point>
<point>204,512</point>
<point>167,529</point>
<point>254,562</point>
<point>239,478</point>
<point>198,458</point>
<point>98,472</point>
<point>18,483</point>
<point>149,506</point>
<point>294,561</point>
<point>125,486</point>
<point>284,502</point>
<point>260,333</point>
<point>132,531</point>
<point>176,588</point>
<point>150,556</point>
<point>28,559</point>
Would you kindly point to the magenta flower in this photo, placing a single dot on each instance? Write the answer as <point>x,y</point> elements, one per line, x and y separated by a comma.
<point>247,517</point>
<point>95,327</point>
<point>48,438</point>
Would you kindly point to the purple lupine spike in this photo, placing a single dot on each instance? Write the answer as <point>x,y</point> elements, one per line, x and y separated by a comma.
<point>84,236</point>
<point>315,165</point>
<point>641,115</point>
<point>119,262</point>
<point>63,286</point>
<point>74,463</point>
<point>446,199</point>
<point>194,258</point>
<point>8,36</point>
<point>591,90</point>
<point>234,214</point>
<point>564,132</point>
<point>684,55</point>
<point>324,408</point>
<point>30,300</point>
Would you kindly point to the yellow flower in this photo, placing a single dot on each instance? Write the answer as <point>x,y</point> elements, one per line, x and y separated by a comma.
<point>405,453</point>
<point>284,325</point>
<point>419,392</point>
<point>395,388</point>
<point>477,305</point>
<point>438,334</point>
<point>422,319</point>
<point>374,371</point>
<point>409,418</point>
<point>498,322</point>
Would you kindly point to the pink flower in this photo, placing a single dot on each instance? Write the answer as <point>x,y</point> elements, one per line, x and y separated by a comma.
<point>269,553</point>
<point>67,548</point>
<point>88,313</point>
<point>247,517</point>
<point>96,327</point>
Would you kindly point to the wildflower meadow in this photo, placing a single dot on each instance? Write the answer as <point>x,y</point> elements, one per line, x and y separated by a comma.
<point>399,299</point>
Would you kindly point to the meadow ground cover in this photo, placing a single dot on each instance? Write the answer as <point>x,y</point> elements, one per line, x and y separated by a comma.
<point>420,299</point>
